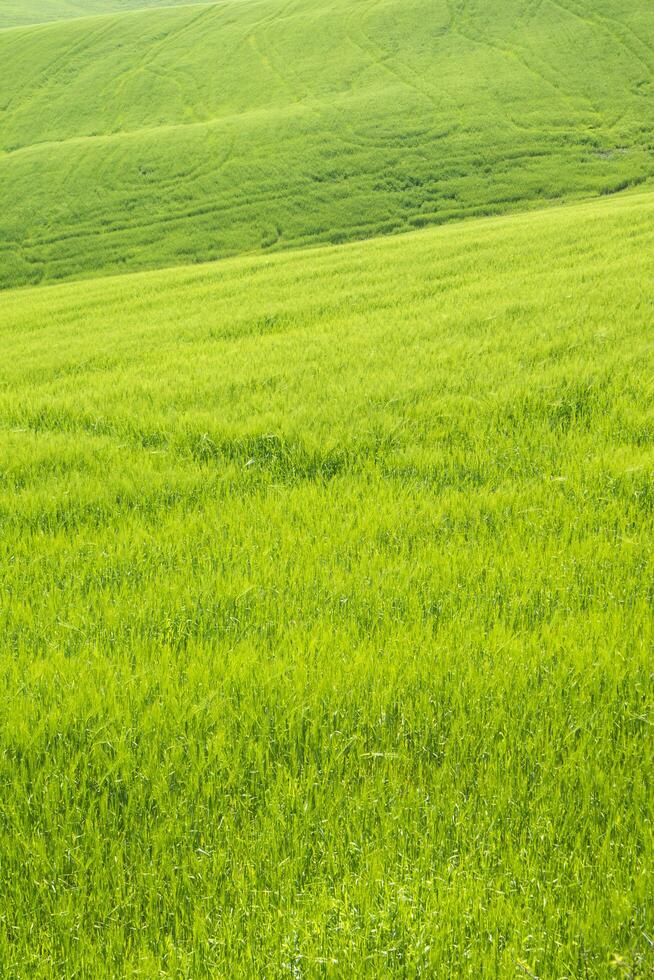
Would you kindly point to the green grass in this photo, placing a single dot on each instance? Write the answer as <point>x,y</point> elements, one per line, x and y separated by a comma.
<point>176,135</point>
<point>326,611</point>
<point>17,13</point>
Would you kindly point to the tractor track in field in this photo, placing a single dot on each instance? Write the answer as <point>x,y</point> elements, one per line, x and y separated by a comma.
<point>511,54</point>
<point>311,104</point>
<point>148,62</point>
<point>50,72</point>
<point>409,78</point>
<point>602,22</point>
<point>385,130</point>
<point>212,207</point>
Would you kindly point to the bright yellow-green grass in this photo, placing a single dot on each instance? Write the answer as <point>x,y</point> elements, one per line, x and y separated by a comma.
<point>326,610</point>
<point>180,134</point>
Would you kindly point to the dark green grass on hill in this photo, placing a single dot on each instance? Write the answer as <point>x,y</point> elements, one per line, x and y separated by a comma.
<point>326,615</point>
<point>176,135</point>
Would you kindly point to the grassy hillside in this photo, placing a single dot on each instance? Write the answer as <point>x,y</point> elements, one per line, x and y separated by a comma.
<point>16,13</point>
<point>176,135</point>
<point>326,611</point>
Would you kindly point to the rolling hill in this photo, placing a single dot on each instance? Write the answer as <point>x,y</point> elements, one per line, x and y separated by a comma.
<point>326,571</point>
<point>181,134</point>
<point>327,626</point>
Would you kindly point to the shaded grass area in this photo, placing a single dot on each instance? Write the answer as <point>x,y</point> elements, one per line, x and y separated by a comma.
<point>185,134</point>
<point>327,610</point>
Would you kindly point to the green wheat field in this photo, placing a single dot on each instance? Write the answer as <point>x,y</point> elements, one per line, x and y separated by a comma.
<point>327,489</point>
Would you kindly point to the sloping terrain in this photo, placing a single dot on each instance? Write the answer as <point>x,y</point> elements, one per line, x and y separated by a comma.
<point>326,611</point>
<point>175,135</point>
<point>326,576</point>
<point>19,13</point>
